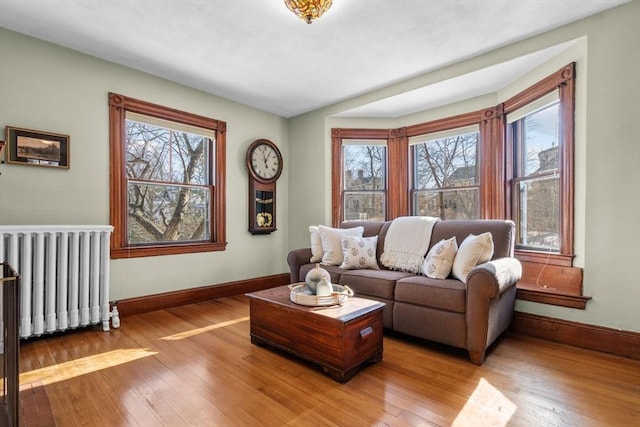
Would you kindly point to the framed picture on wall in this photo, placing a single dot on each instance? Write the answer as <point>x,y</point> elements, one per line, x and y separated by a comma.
<point>36,148</point>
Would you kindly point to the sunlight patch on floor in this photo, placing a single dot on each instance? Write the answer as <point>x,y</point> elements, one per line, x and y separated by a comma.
<point>486,406</point>
<point>192,332</point>
<point>86,365</point>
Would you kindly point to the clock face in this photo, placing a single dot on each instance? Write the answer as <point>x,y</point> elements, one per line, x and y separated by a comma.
<point>265,162</point>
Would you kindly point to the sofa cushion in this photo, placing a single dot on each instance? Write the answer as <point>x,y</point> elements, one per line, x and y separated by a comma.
<point>380,283</point>
<point>359,252</point>
<point>447,294</point>
<point>331,242</point>
<point>439,259</point>
<point>473,250</point>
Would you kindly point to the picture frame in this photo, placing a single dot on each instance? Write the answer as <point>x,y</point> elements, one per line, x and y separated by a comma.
<point>37,148</point>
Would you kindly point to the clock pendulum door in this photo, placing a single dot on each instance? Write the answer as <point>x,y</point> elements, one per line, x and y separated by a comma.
<point>262,218</point>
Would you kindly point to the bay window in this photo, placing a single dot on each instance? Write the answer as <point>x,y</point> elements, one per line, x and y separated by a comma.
<point>512,161</point>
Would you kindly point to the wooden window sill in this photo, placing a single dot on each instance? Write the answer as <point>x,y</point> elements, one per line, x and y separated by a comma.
<point>145,251</point>
<point>535,293</point>
<point>550,280</point>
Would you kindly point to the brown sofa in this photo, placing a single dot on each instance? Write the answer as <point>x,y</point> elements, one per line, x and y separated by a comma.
<point>469,316</point>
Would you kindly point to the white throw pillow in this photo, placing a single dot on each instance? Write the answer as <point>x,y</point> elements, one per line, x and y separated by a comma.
<point>332,251</point>
<point>359,252</point>
<point>439,260</point>
<point>474,250</point>
<point>316,244</point>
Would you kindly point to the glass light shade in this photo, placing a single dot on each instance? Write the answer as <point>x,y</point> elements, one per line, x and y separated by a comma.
<point>308,10</point>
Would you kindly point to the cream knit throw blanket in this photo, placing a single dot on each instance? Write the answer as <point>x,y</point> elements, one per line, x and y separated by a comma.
<point>407,242</point>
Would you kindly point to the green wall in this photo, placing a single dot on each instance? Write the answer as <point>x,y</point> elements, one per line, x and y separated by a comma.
<point>606,49</point>
<point>46,87</point>
<point>50,88</point>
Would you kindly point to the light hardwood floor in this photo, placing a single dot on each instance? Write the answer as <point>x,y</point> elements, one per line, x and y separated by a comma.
<point>195,365</point>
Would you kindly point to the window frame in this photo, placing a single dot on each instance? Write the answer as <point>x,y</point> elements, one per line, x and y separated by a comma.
<point>118,106</point>
<point>337,174</point>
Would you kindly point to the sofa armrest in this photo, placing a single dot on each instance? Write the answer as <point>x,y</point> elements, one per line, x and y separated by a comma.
<point>295,259</point>
<point>491,279</point>
<point>490,298</point>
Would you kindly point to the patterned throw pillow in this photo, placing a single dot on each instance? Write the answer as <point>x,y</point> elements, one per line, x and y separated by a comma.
<point>439,260</point>
<point>474,250</point>
<point>359,252</point>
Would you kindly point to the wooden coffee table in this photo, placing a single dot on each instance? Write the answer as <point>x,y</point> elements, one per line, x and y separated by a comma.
<point>338,338</point>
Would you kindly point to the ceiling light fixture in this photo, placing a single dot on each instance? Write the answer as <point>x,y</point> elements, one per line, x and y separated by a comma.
<point>308,10</point>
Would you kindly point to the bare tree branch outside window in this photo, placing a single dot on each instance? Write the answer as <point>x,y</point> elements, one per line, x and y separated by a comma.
<point>446,177</point>
<point>168,191</point>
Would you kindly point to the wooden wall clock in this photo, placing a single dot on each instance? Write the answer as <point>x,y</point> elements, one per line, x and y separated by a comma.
<point>264,162</point>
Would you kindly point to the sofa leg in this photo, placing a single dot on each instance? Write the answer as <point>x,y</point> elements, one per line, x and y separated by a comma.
<point>477,357</point>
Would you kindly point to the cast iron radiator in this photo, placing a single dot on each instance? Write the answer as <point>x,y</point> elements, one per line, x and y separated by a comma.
<point>64,275</point>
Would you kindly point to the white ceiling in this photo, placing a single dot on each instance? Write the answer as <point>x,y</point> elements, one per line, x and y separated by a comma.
<point>258,53</point>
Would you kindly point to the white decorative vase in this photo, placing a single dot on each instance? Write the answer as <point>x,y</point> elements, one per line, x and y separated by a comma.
<point>314,276</point>
<point>324,288</point>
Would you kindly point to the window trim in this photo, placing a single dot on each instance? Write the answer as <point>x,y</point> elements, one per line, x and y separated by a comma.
<point>118,106</point>
<point>337,171</point>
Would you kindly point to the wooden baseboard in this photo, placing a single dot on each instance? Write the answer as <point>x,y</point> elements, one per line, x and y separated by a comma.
<point>154,302</point>
<point>607,340</point>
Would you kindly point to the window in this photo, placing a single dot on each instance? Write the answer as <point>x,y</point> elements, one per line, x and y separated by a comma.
<point>540,147</point>
<point>167,180</point>
<point>364,167</point>
<point>536,184</point>
<point>445,174</point>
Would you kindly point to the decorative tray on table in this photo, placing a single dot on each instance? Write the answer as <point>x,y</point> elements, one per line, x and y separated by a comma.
<point>300,294</point>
